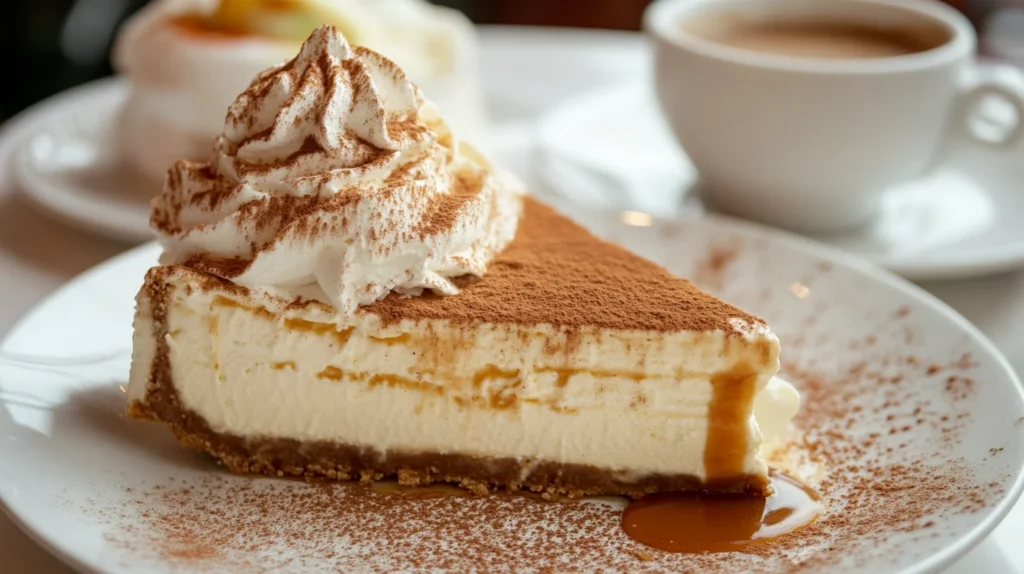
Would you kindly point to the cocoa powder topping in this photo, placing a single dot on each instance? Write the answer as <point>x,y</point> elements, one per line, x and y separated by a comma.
<point>556,272</point>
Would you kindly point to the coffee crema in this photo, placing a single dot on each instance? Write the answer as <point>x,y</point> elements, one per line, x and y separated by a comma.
<point>815,38</point>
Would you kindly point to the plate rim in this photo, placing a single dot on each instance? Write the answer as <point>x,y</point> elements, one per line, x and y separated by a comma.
<point>103,218</point>
<point>67,558</point>
<point>747,229</point>
<point>976,263</point>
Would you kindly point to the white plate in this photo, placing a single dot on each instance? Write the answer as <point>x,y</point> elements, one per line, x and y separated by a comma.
<point>610,147</point>
<point>64,156</point>
<point>110,495</point>
<point>67,163</point>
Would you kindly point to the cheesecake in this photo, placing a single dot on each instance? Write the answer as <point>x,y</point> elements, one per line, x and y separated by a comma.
<point>349,292</point>
<point>186,60</point>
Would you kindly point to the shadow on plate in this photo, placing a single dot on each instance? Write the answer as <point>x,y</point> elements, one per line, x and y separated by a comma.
<point>98,413</point>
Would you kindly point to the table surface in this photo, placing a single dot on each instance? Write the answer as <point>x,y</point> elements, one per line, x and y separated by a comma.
<point>38,254</point>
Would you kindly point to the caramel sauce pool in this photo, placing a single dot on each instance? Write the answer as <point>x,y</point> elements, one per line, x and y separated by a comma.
<point>695,523</point>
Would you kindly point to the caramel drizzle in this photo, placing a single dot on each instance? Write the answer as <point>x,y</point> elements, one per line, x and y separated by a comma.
<point>732,401</point>
<point>222,301</point>
<point>563,374</point>
<point>403,338</point>
<point>340,335</point>
<point>333,373</point>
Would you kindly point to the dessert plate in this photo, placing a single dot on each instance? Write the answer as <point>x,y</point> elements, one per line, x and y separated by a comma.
<point>610,147</point>
<point>912,429</point>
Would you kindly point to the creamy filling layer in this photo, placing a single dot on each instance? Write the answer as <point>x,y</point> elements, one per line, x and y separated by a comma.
<point>635,402</point>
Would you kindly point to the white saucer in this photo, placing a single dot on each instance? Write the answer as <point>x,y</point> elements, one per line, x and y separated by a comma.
<point>611,148</point>
<point>66,162</point>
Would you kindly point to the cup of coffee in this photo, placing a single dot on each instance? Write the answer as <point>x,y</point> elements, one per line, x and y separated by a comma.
<point>800,113</point>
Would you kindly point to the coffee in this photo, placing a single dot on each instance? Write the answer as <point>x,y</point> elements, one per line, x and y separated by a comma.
<point>815,39</point>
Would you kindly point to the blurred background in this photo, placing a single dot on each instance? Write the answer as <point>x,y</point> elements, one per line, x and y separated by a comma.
<point>62,43</point>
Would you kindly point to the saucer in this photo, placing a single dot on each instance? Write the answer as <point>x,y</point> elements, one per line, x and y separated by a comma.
<point>66,162</point>
<point>610,148</point>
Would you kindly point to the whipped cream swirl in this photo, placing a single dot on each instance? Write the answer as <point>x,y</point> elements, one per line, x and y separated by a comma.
<point>332,169</point>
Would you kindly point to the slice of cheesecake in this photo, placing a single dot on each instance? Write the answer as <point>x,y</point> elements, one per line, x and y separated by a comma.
<point>571,367</point>
<point>348,291</point>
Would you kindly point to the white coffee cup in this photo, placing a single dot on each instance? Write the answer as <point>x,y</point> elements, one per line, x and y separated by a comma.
<point>812,143</point>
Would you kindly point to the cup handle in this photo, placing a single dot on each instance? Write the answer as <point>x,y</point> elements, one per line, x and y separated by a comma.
<point>986,80</point>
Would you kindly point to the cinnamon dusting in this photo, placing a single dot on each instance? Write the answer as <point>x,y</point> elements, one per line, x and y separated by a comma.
<point>878,489</point>
<point>556,272</point>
